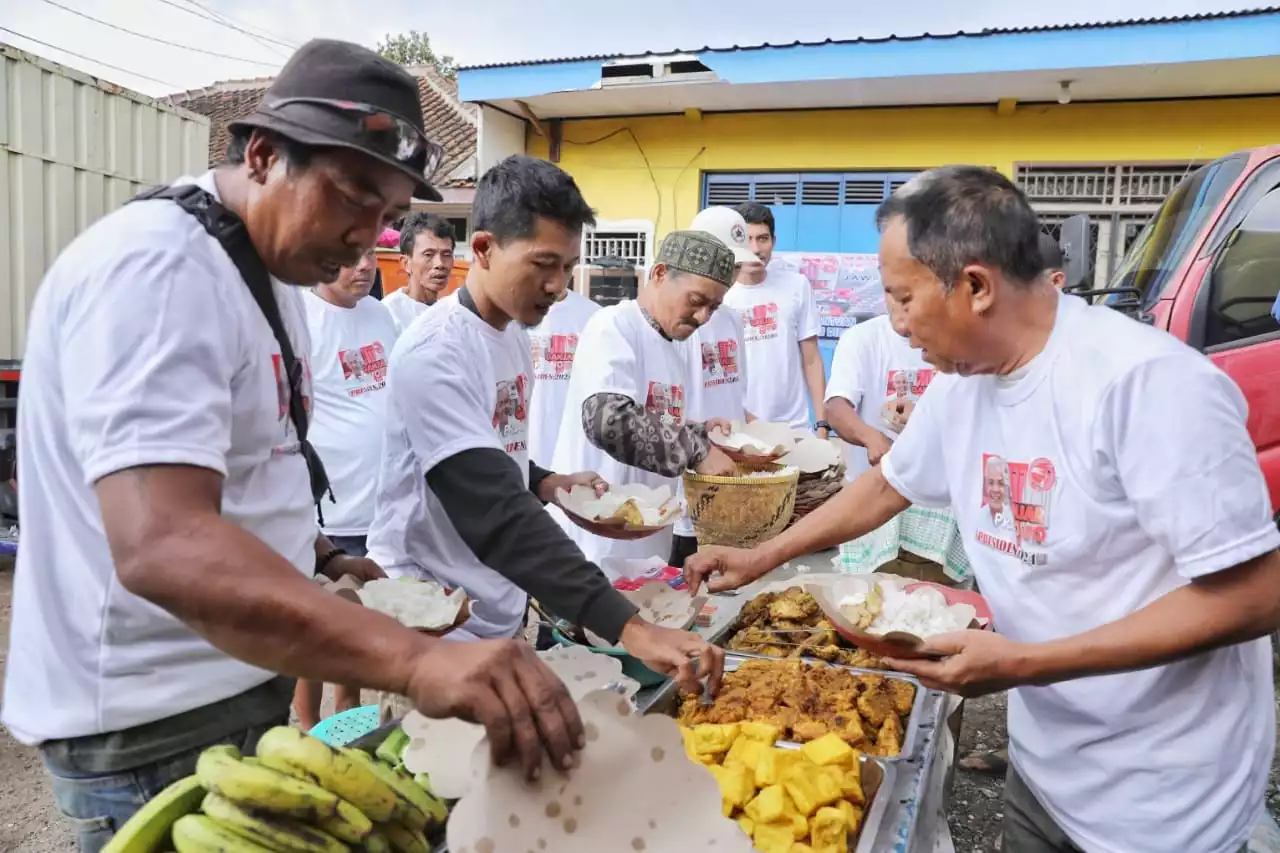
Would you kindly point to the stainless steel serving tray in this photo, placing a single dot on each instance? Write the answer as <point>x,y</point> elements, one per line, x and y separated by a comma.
<point>666,699</point>
<point>878,777</point>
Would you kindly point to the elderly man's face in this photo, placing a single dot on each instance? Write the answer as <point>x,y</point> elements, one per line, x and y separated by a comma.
<point>994,482</point>
<point>945,325</point>
<point>684,301</point>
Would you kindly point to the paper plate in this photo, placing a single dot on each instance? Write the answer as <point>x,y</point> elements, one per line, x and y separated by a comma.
<point>449,610</point>
<point>660,605</point>
<point>443,748</point>
<point>581,506</point>
<point>894,644</point>
<point>633,789</point>
<point>756,443</point>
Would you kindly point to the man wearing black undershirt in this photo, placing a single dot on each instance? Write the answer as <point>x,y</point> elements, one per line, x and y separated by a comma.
<point>459,501</point>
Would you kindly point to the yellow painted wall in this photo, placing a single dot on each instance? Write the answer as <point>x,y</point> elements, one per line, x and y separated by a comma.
<point>616,180</point>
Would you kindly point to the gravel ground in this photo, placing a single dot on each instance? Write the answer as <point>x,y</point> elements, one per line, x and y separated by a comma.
<point>30,824</point>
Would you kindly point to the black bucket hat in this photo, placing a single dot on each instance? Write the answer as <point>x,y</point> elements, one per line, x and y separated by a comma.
<point>340,95</point>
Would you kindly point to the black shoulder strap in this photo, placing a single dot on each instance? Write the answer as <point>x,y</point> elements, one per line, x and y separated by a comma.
<point>230,232</point>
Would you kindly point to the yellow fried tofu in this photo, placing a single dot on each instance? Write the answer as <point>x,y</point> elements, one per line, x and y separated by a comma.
<point>827,750</point>
<point>828,831</point>
<point>745,752</point>
<point>799,826</point>
<point>711,739</point>
<point>769,805</point>
<point>810,788</point>
<point>851,787</point>
<point>773,837</point>
<point>852,815</point>
<point>737,783</point>
<point>766,733</point>
<point>748,825</point>
<point>726,808</point>
<point>801,848</point>
<point>686,734</point>
<point>773,763</point>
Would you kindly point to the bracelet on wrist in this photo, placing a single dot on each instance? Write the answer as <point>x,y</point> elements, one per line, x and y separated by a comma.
<point>327,558</point>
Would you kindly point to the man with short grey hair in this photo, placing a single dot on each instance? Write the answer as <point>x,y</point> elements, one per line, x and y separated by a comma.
<point>1133,570</point>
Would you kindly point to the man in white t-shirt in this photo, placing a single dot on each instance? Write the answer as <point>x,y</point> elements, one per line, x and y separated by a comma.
<point>351,340</point>
<point>626,415</point>
<point>715,353</point>
<point>780,330</point>
<point>426,256</point>
<point>459,501</point>
<point>553,343</point>
<point>165,575</point>
<point>1133,571</point>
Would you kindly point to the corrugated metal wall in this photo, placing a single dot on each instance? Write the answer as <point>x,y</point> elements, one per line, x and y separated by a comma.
<point>72,148</point>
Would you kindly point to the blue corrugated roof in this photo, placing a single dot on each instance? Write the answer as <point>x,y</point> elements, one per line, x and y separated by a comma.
<point>1089,25</point>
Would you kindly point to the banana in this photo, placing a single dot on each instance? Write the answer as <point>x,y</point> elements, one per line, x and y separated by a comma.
<point>262,789</point>
<point>197,833</point>
<point>415,808</point>
<point>150,826</point>
<point>376,842</point>
<point>274,833</point>
<point>403,839</point>
<point>392,748</point>
<point>349,824</point>
<point>300,755</point>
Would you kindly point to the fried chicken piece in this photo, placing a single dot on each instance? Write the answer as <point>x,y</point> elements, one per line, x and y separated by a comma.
<point>889,738</point>
<point>863,659</point>
<point>904,694</point>
<point>795,604</point>
<point>808,729</point>
<point>876,705</point>
<point>848,725</point>
<point>822,651</point>
<point>757,609</point>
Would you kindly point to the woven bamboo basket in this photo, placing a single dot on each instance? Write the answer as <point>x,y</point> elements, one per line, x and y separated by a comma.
<point>740,511</point>
<point>813,490</point>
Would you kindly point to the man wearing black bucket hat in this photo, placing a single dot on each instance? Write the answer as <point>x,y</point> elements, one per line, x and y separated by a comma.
<point>166,569</point>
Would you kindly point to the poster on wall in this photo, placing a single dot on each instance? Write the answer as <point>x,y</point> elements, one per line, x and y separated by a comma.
<point>846,286</point>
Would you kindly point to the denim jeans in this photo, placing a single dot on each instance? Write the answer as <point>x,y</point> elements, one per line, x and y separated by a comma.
<point>97,805</point>
<point>353,545</point>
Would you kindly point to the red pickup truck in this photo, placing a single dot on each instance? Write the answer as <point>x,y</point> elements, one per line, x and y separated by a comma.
<point>1207,270</point>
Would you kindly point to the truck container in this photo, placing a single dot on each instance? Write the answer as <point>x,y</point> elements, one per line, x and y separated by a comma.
<point>72,148</point>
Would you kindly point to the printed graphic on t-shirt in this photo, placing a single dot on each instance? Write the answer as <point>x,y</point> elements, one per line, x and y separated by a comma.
<point>282,401</point>
<point>553,355</point>
<point>667,402</point>
<point>761,322</point>
<point>720,363</point>
<point>902,391</point>
<point>1016,502</point>
<point>511,413</point>
<point>364,369</point>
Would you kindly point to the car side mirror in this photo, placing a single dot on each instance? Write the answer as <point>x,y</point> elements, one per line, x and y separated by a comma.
<point>1076,241</point>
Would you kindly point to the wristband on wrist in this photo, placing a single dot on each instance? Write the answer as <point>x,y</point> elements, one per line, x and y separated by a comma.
<point>329,557</point>
<point>822,425</point>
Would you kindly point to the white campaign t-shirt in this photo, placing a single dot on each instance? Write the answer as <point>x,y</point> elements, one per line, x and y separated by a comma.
<point>620,353</point>
<point>145,348</point>
<point>554,342</point>
<point>404,308</point>
<point>881,376</point>
<point>777,314</point>
<point>349,352</point>
<point>457,384</point>
<point>714,353</point>
<point>1111,470</point>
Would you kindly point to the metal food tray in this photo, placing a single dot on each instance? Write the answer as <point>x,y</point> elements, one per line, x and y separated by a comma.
<point>878,778</point>
<point>723,636</point>
<point>667,699</point>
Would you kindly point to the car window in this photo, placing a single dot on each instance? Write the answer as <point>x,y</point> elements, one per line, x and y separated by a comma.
<point>1246,278</point>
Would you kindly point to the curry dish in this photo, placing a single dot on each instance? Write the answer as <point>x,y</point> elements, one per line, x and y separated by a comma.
<point>790,624</point>
<point>806,701</point>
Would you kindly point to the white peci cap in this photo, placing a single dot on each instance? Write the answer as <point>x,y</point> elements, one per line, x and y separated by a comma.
<point>727,226</point>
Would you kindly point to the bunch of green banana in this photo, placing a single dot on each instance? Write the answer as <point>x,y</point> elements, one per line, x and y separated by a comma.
<point>298,795</point>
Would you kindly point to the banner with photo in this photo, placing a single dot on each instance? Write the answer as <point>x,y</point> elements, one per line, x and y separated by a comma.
<point>846,286</point>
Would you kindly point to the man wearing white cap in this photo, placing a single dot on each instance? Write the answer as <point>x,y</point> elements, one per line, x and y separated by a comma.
<point>717,369</point>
